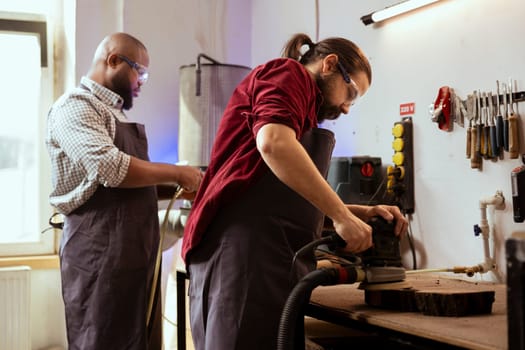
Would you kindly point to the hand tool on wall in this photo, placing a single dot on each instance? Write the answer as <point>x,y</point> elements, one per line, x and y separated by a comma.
<point>505,119</point>
<point>442,109</point>
<point>475,158</point>
<point>514,148</point>
<point>457,109</point>
<point>479,131</point>
<point>499,125</point>
<point>493,153</point>
<point>485,128</point>
<point>471,108</point>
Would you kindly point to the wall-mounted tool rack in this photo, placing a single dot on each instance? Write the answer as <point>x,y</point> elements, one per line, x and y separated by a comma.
<point>492,131</point>
<point>518,96</point>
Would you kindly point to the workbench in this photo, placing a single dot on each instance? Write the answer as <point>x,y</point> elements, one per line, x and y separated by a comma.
<point>345,305</point>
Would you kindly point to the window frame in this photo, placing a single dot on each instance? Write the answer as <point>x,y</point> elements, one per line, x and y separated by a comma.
<point>39,25</point>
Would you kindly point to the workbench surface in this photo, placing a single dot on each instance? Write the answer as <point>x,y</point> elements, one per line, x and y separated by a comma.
<point>487,331</point>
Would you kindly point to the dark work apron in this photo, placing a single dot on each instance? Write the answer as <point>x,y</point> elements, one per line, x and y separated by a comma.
<point>107,261</point>
<point>241,273</point>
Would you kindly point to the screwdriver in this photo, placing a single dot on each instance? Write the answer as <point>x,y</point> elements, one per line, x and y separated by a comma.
<point>505,120</point>
<point>485,144</point>
<point>499,124</point>
<point>514,147</point>
<point>493,143</point>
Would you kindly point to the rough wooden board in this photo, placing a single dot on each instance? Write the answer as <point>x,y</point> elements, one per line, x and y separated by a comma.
<point>454,303</point>
<point>400,300</point>
<point>472,332</point>
<point>444,301</point>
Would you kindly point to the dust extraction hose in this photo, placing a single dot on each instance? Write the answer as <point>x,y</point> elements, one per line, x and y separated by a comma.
<point>292,316</point>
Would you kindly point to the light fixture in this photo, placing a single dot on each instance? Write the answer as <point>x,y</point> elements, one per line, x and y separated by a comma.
<point>394,10</point>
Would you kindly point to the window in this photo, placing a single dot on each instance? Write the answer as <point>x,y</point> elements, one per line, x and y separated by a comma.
<point>26,92</point>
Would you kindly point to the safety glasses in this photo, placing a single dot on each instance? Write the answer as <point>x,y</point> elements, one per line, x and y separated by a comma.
<point>353,92</point>
<point>141,70</point>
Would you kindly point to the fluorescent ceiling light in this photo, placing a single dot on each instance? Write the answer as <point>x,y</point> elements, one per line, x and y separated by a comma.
<point>394,10</point>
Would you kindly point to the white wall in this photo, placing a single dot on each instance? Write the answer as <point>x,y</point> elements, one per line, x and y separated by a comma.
<point>467,45</point>
<point>175,32</point>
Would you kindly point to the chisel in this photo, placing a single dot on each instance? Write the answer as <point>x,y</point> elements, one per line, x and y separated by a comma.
<point>505,120</point>
<point>514,146</point>
<point>493,143</point>
<point>480,140</point>
<point>499,124</point>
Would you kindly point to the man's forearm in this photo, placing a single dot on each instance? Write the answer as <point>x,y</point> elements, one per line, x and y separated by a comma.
<point>142,173</point>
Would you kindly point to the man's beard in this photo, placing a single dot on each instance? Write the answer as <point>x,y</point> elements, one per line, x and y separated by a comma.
<point>121,86</point>
<point>128,99</point>
<point>326,111</point>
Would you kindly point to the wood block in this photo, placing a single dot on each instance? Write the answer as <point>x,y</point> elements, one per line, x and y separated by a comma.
<point>434,301</point>
<point>399,300</point>
<point>454,303</point>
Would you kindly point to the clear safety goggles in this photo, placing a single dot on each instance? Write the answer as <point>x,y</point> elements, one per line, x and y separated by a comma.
<point>353,89</point>
<point>141,70</point>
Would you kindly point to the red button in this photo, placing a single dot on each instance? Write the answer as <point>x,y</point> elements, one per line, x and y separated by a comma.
<point>367,169</point>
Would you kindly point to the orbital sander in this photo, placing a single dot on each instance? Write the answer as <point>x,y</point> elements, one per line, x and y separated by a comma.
<point>382,262</point>
<point>379,267</point>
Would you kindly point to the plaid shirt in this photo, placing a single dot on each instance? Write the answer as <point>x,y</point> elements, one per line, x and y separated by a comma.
<point>80,134</point>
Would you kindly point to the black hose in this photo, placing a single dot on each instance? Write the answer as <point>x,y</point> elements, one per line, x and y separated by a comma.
<point>292,316</point>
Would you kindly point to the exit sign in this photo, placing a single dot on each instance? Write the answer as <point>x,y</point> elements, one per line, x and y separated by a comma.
<point>407,108</point>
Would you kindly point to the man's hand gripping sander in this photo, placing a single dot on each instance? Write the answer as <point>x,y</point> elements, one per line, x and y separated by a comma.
<point>379,265</point>
<point>382,262</point>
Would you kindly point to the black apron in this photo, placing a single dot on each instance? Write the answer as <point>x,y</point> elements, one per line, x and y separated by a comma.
<point>107,261</point>
<point>241,273</point>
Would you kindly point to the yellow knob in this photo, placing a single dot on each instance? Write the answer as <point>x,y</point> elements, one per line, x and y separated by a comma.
<point>398,144</point>
<point>398,158</point>
<point>397,130</point>
<point>390,184</point>
<point>390,170</point>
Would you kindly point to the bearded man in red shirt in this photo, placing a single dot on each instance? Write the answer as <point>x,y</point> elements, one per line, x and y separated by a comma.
<point>264,194</point>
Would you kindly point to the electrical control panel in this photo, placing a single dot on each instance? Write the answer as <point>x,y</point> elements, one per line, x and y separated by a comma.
<point>356,179</point>
<point>400,182</point>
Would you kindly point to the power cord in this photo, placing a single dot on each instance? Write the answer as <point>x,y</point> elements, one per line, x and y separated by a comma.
<point>411,242</point>
<point>178,193</point>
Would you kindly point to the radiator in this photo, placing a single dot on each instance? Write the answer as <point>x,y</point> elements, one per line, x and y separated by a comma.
<point>15,333</point>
